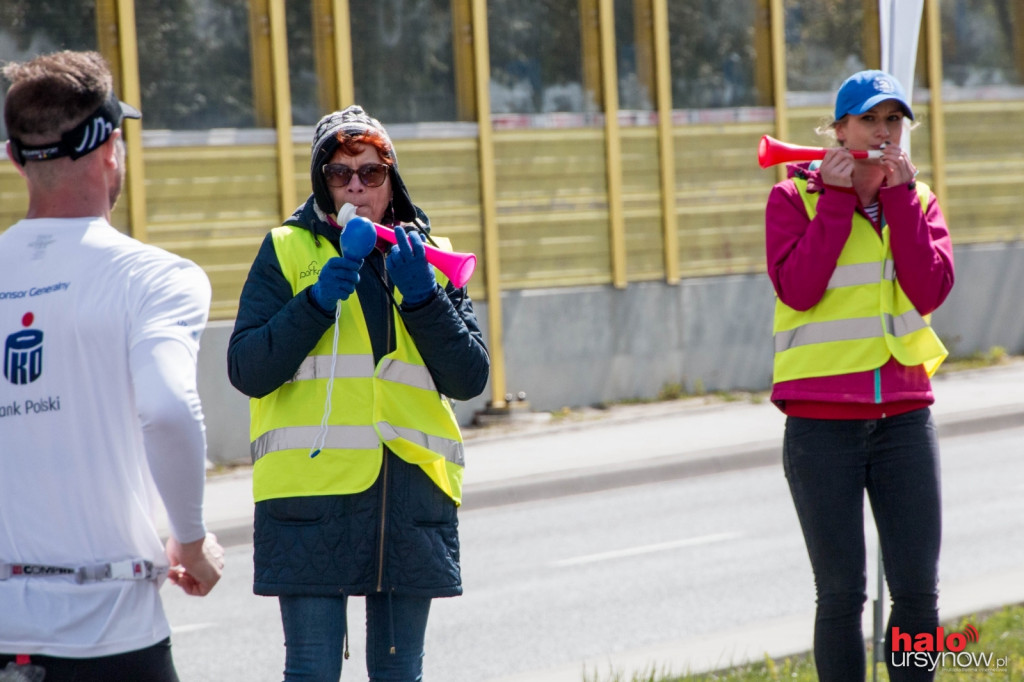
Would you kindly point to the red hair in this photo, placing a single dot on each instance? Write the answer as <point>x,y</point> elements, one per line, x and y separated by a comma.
<point>354,144</point>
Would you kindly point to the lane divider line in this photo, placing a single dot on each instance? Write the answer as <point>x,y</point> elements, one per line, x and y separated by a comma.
<point>645,549</point>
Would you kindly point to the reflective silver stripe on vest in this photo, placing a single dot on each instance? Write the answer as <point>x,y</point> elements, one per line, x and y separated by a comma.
<point>346,367</point>
<point>400,372</point>
<point>823,332</point>
<point>303,437</point>
<point>848,330</point>
<point>907,323</point>
<point>452,450</point>
<point>860,273</point>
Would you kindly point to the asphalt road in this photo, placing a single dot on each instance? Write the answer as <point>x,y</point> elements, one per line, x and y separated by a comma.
<point>630,577</point>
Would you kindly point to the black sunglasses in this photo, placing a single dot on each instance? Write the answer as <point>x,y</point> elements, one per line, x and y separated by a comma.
<point>371,175</point>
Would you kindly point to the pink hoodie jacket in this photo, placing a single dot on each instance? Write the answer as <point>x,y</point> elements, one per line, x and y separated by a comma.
<point>801,255</point>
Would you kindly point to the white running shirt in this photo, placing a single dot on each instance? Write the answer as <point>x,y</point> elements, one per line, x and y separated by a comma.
<point>100,334</point>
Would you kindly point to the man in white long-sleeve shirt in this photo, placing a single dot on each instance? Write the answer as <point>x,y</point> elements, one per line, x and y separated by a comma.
<point>100,417</point>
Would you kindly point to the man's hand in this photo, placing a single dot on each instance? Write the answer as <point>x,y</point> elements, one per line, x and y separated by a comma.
<point>195,566</point>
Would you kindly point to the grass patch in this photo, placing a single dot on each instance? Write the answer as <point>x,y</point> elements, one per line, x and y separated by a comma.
<point>996,355</point>
<point>1001,635</point>
<point>672,391</point>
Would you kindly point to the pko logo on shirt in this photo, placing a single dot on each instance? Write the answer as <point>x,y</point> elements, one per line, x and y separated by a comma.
<point>23,353</point>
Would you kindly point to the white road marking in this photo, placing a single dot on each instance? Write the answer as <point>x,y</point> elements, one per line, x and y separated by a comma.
<point>646,549</point>
<point>178,629</point>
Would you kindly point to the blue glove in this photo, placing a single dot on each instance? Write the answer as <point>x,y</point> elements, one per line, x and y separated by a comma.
<point>407,264</point>
<point>338,279</point>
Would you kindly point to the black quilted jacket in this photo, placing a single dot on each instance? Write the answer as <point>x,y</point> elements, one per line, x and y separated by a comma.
<point>402,533</point>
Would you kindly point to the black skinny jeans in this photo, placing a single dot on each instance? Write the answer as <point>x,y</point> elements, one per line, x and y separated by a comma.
<point>829,464</point>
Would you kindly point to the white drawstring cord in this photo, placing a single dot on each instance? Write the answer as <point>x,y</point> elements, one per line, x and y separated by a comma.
<point>321,438</point>
<point>345,214</point>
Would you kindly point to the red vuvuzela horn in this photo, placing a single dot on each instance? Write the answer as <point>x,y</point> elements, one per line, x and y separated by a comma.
<point>771,151</point>
<point>457,267</point>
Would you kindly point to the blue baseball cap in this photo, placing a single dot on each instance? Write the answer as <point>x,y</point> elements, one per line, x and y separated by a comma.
<point>865,89</point>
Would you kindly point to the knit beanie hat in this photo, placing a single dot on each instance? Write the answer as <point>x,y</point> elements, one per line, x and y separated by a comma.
<point>355,121</point>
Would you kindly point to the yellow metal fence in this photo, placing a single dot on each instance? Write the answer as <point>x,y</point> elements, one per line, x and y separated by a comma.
<point>214,203</point>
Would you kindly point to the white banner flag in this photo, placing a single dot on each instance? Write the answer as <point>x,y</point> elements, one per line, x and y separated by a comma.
<point>900,25</point>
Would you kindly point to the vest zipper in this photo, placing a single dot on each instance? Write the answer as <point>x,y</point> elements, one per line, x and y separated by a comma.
<point>383,520</point>
<point>384,473</point>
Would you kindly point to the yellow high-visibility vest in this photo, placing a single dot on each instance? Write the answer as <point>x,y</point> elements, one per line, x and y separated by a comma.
<point>394,403</point>
<point>863,319</point>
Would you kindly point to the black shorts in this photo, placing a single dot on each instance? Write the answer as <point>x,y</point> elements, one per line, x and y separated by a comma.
<point>152,664</point>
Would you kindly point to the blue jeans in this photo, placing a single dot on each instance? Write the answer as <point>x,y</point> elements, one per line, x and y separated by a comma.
<point>314,633</point>
<point>829,464</point>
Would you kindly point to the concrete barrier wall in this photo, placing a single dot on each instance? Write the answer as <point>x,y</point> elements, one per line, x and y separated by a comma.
<point>571,347</point>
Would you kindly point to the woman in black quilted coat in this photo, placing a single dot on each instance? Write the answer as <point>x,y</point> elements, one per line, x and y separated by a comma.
<point>396,543</point>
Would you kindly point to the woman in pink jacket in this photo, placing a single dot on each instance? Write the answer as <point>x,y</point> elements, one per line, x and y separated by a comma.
<point>859,254</point>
